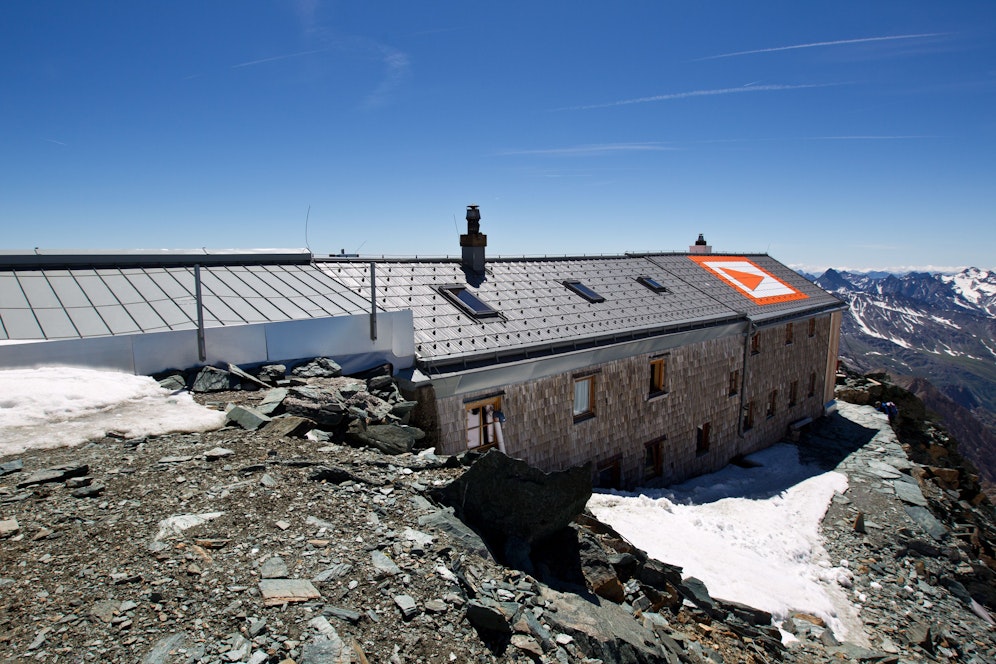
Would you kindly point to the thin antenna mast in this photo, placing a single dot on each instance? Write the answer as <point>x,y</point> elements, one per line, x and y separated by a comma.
<point>306,218</point>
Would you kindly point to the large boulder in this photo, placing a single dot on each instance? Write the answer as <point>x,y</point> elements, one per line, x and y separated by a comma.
<point>388,438</point>
<point>604,630</point>
<point>505,498</point>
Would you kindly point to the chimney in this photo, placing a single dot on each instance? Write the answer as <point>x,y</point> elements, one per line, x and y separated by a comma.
<point>474,242</point>
<point>700,246</point>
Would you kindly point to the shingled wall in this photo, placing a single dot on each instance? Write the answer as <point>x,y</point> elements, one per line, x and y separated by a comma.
<point>541,429</point>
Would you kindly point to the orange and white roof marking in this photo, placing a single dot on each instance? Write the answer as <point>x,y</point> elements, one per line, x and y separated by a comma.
<point>752,281</point>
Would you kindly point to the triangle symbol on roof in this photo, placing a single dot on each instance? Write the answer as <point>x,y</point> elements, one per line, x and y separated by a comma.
<point>748,279</point>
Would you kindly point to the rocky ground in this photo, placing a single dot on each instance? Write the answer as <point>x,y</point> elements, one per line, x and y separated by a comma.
<point>263,544</point>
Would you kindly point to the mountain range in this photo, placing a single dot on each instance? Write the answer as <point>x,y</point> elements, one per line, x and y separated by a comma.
<point>935,334</point>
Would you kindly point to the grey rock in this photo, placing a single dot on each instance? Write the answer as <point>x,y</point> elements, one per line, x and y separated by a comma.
<point>384,565</point>
<point>489,616</point>
<point>504,497</point>
<point>926,520</point>
<point>336,571</point>
<point>164,647</point>
<point>272,372</point>
<point>247,377</point>
<point>105,609</point>
<point>246,417</point>
<point>407,605</point>
<point>91,491</point>
<point>272,400</point>
<point>601,629</point>
<point>388,438</point>
<point>173,383</point>
<point>342,613</point>
<point>54,474</point>
<point>216,453</point>
<point>274,568</point>
<point>321,367</point>
<point>212,379</point>
<point>446,521</point>
<point>13,466</point>
<point>288,426</point>
<point>909,493</point>
<point>324,413</point>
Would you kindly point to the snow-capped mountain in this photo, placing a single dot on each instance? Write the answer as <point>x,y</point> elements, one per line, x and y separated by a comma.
<point>933,326</point>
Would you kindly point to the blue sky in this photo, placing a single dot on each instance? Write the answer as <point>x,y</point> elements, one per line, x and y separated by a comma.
<point>848,134</point>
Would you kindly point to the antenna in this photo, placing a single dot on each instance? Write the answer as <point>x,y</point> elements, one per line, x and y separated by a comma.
<point>455,227</point>
<point>360,247</point>
<point>306,218</point>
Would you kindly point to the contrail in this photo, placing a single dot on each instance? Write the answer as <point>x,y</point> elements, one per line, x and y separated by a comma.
<point>839,42</point>
<point>697,93</point>
<point>278,57</point>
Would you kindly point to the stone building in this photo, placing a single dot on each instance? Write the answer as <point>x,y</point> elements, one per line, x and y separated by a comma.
<point>654,367</point>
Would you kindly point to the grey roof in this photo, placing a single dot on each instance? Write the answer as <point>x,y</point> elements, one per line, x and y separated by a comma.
<point>539,314</point>
<point>79,302</point>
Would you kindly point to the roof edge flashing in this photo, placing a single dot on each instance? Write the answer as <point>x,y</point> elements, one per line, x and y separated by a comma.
<point>58,258</point>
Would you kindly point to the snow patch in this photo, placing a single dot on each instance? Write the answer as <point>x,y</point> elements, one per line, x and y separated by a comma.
<point>56,406</point>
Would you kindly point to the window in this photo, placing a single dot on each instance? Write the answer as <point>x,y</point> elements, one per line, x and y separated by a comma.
<point>584,291</point>
<point>584,398</point>
<point>484,420</point>
<point>772,403</point>
<point>755,343</point>
<point>749,416</point>
<point>608,474</point>
<point>812,327</point>
<point>702,439</point>
<point>789,333</point>
<point>653,458</point>
<point>734,382</point>
<point>812,384</point>
<point>467,301</point>
<point>658,376</point>
<point>793,392</point>
<point>652,284</point>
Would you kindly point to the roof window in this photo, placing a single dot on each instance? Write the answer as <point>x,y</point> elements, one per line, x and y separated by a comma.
<point>652,284</point>
<point>467,301</point>
<point>584,291</point>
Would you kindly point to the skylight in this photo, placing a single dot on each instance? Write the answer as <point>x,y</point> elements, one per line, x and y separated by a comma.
<point>652,284</point>
<point>584,291</point>
<point>467,301</point>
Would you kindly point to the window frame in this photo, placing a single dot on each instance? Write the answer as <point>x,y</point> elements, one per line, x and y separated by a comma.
<point>772,404</point>
<point>652,284</point>
<point>812,327</point>
<point>812,384</point>
<point>658,377</point>
<point>483,427</point>
<point>702,442</point>
<point>589,412</point>
<point>453,292</point>
<point>755,343</point>
<point>653,458</point>
<point>789,334</point>
<point>793,393</point>
<point>587,292</point>
<point>734,389</point>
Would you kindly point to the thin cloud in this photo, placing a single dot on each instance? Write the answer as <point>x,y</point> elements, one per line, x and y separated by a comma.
<point>590,150</point>
<point>52,140</point>
<point>698,93</point>
<point>865,138</point>
<point>278,57</point>
<point>838,42</point>
<point>397,65</point>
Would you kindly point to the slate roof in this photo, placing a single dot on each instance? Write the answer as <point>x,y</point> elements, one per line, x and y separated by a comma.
<point>540,315</point>
<point>90,295</point>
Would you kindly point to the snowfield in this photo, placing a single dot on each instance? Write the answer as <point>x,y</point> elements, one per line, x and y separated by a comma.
<point>751,534</point>
<point>56,406</point>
